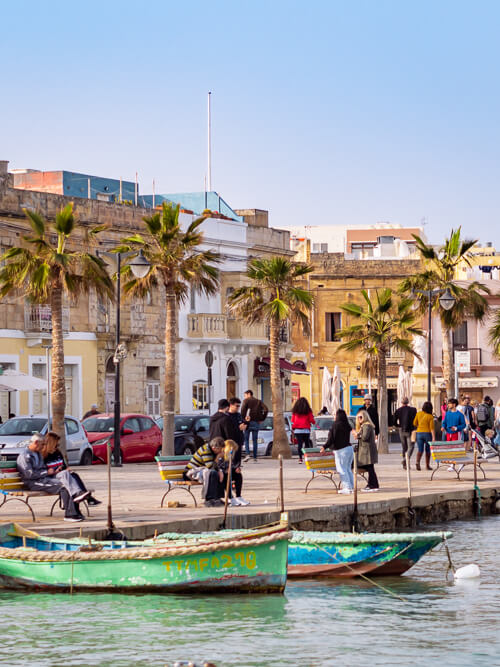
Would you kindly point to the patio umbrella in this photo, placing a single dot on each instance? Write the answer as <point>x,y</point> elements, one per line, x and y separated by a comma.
<point>326,389</point>
<point>402,385</point>
<point>335,401</point>
<point>16,381</point>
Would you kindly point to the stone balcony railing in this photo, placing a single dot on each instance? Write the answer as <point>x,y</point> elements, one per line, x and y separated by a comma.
<point>38,318</point>
<point>240,331</point>
<point>207,325</point>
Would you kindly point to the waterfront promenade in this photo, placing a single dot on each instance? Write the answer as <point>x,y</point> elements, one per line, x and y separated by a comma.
<point>137,491</point>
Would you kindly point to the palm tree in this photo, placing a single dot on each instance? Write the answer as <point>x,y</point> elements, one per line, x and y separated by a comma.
<point>388,322</point>
<point>274,298</point>
<point>439,275</point>
<point>179,265</point>
<point>43,271</point>
<point>494,334</point>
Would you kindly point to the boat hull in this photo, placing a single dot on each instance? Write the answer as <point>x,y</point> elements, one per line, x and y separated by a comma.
<point>230,566</point>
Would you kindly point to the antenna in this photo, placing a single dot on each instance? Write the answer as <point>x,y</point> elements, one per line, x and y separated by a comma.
<point>209,173</point>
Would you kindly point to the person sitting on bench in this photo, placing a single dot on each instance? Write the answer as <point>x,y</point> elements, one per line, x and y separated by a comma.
<point>201,468</point>
<point>54,459</point>
<point>37,477</point>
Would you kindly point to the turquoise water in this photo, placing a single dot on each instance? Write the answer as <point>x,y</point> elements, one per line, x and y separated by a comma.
<point>344,624</point>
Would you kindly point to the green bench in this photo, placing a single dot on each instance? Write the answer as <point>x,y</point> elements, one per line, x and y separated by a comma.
<point>12,488</point>
<point>171,470</point>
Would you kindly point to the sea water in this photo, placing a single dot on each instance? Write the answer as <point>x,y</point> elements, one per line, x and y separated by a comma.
<point>418,619</point>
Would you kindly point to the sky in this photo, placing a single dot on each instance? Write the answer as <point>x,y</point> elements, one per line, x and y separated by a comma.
<point>323,112</point>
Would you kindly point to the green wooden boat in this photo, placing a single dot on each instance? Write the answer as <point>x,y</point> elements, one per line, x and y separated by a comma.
<point>252,562</point>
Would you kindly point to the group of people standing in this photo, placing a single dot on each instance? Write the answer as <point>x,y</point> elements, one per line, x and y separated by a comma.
<point>42,468</point>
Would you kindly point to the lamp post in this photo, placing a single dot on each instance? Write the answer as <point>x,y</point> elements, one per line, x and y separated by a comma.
<point>446,301</point>
<point>140,267</point>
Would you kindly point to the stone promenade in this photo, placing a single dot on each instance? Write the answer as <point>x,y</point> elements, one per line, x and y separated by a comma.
<point>137,490</point>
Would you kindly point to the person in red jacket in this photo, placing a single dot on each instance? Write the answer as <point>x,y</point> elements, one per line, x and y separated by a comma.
<point>302,418</point>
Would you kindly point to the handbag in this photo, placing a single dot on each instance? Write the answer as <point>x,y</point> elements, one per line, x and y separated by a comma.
<point>413,436</point>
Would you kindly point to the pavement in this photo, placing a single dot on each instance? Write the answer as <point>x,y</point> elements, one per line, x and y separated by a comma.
<point>137,490</point>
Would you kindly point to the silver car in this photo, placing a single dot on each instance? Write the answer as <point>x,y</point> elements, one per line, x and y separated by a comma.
<point>266,435</point>
<point>16,433</point>
<point>320,430</point>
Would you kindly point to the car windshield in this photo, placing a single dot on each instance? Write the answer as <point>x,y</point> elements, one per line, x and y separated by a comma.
<point>23,426</point>
<point>183,423</point>
<point>324,423</point>
<point>99,424</point>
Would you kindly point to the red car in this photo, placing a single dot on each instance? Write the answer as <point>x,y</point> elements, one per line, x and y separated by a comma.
<point>140,437</point>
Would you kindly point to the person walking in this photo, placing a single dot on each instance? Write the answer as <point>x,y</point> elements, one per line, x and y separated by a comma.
<point>371,409</point>
<point>403,419</point>
<point>253,411</point>
<point>470,420</point>
<point>94,410</point>
<point>484,415</point>
<point>424,422</point>
<point>302,419</point>
<point>339,440</point>
<point>367,449</point>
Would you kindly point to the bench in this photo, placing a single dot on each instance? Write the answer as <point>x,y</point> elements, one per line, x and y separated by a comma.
<point>452,454</point>
<point>320,464</point>
<point>12,488</point>
<point>172,473</point>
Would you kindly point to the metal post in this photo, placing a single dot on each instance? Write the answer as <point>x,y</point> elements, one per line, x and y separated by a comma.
<point>47,355</point>
<point>429,347</point>
<point>117,410</point>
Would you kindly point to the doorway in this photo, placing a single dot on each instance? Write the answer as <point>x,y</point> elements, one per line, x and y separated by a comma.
<point>231,380</point>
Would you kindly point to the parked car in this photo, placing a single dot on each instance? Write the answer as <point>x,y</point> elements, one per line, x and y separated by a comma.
<point>319,432</point>
<point>17,431</point>
<point>191,432</point>
<point>266,435</point>
<point>140,437</point>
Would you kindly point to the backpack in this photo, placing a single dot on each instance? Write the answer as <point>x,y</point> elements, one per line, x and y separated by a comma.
<point>483,413</point>
<point>261,411</point>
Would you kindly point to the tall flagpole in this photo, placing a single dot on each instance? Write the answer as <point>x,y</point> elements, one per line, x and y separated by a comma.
<point>209,174</point>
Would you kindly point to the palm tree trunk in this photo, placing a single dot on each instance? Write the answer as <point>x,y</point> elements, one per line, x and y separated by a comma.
<point>168,446</point>
<point>280,439</point>
<point>58,386</point>
<point>383,442</point>
<point>448,364</point>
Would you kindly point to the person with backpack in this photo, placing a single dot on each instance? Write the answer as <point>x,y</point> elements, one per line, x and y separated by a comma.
<point>483,415</point>
<point>254,412</point>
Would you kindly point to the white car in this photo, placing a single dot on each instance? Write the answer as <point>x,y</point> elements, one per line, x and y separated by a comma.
<point>319,431</point>
<point>17,431</point>
<point>266,435</point>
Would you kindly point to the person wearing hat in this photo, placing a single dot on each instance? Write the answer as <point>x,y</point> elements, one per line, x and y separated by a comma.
<point>94,410</point>
<point>372,412</point>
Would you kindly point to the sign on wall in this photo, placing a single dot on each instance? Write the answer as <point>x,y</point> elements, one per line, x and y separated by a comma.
<point>462,361</point>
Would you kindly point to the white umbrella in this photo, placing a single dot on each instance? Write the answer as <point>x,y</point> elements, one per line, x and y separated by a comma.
<point>335,402</point>
<point>326,389</point>
<point>401,389</point>
<point>16,381</point>
<point>409,385</point>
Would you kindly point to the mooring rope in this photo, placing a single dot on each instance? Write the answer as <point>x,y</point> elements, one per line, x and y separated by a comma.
<point>145,553</point>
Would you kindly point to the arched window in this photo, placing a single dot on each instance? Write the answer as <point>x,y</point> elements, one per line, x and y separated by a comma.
<point>232,377</point>
<point>200,395</point>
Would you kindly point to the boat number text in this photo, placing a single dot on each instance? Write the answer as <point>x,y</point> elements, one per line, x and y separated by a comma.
<point>222,560</point>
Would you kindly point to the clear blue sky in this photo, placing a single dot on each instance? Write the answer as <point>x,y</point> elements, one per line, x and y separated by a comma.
<point>323,111</point>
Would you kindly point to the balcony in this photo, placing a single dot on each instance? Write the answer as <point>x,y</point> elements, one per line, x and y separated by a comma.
<point>38,318</point>
<point>395,356</point>
<point>207,325</point>
<point>240,331</point>
<point>475,354</point>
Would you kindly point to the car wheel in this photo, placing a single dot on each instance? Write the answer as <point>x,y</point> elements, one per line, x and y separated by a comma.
<point>189,449</point>
<point>269,449</point>
<point>120,462</point>
<point>87,458</point>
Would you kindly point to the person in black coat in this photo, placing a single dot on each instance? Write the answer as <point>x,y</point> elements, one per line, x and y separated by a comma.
<point>239,428</point>
<point>403,419</point>
<point>371,409</point>
<point>221,424</point>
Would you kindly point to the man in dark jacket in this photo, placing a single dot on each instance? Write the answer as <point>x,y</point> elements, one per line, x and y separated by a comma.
<point>221,426</point>
<point>403,419</point>
<point>372,412</point>
<point>253,412</point>
<point>239,428</point>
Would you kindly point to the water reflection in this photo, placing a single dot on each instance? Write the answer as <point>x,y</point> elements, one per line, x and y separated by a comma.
<point>421,618</point>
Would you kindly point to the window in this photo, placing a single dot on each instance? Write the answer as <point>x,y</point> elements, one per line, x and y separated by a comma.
<point>192,300</point>
<point>132,423</point>
<point>320,247</point>
<point>71,426</point>
<point>460,337</point>
<point>153,372</point>
<point>146,423</point>
<point>200,395</point>
<point>202,424</point>
<point>333,324</point>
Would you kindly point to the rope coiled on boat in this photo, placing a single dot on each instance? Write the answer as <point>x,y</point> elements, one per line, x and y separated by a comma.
<point>148,553</point>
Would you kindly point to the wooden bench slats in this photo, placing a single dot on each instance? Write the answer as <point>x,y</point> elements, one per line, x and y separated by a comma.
<point>452,453</point>
<point>171,469</point>
<point>320,464</point>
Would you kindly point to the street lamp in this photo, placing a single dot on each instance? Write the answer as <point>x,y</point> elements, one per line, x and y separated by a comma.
<point>446,301</point>
<point>140,267</point>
